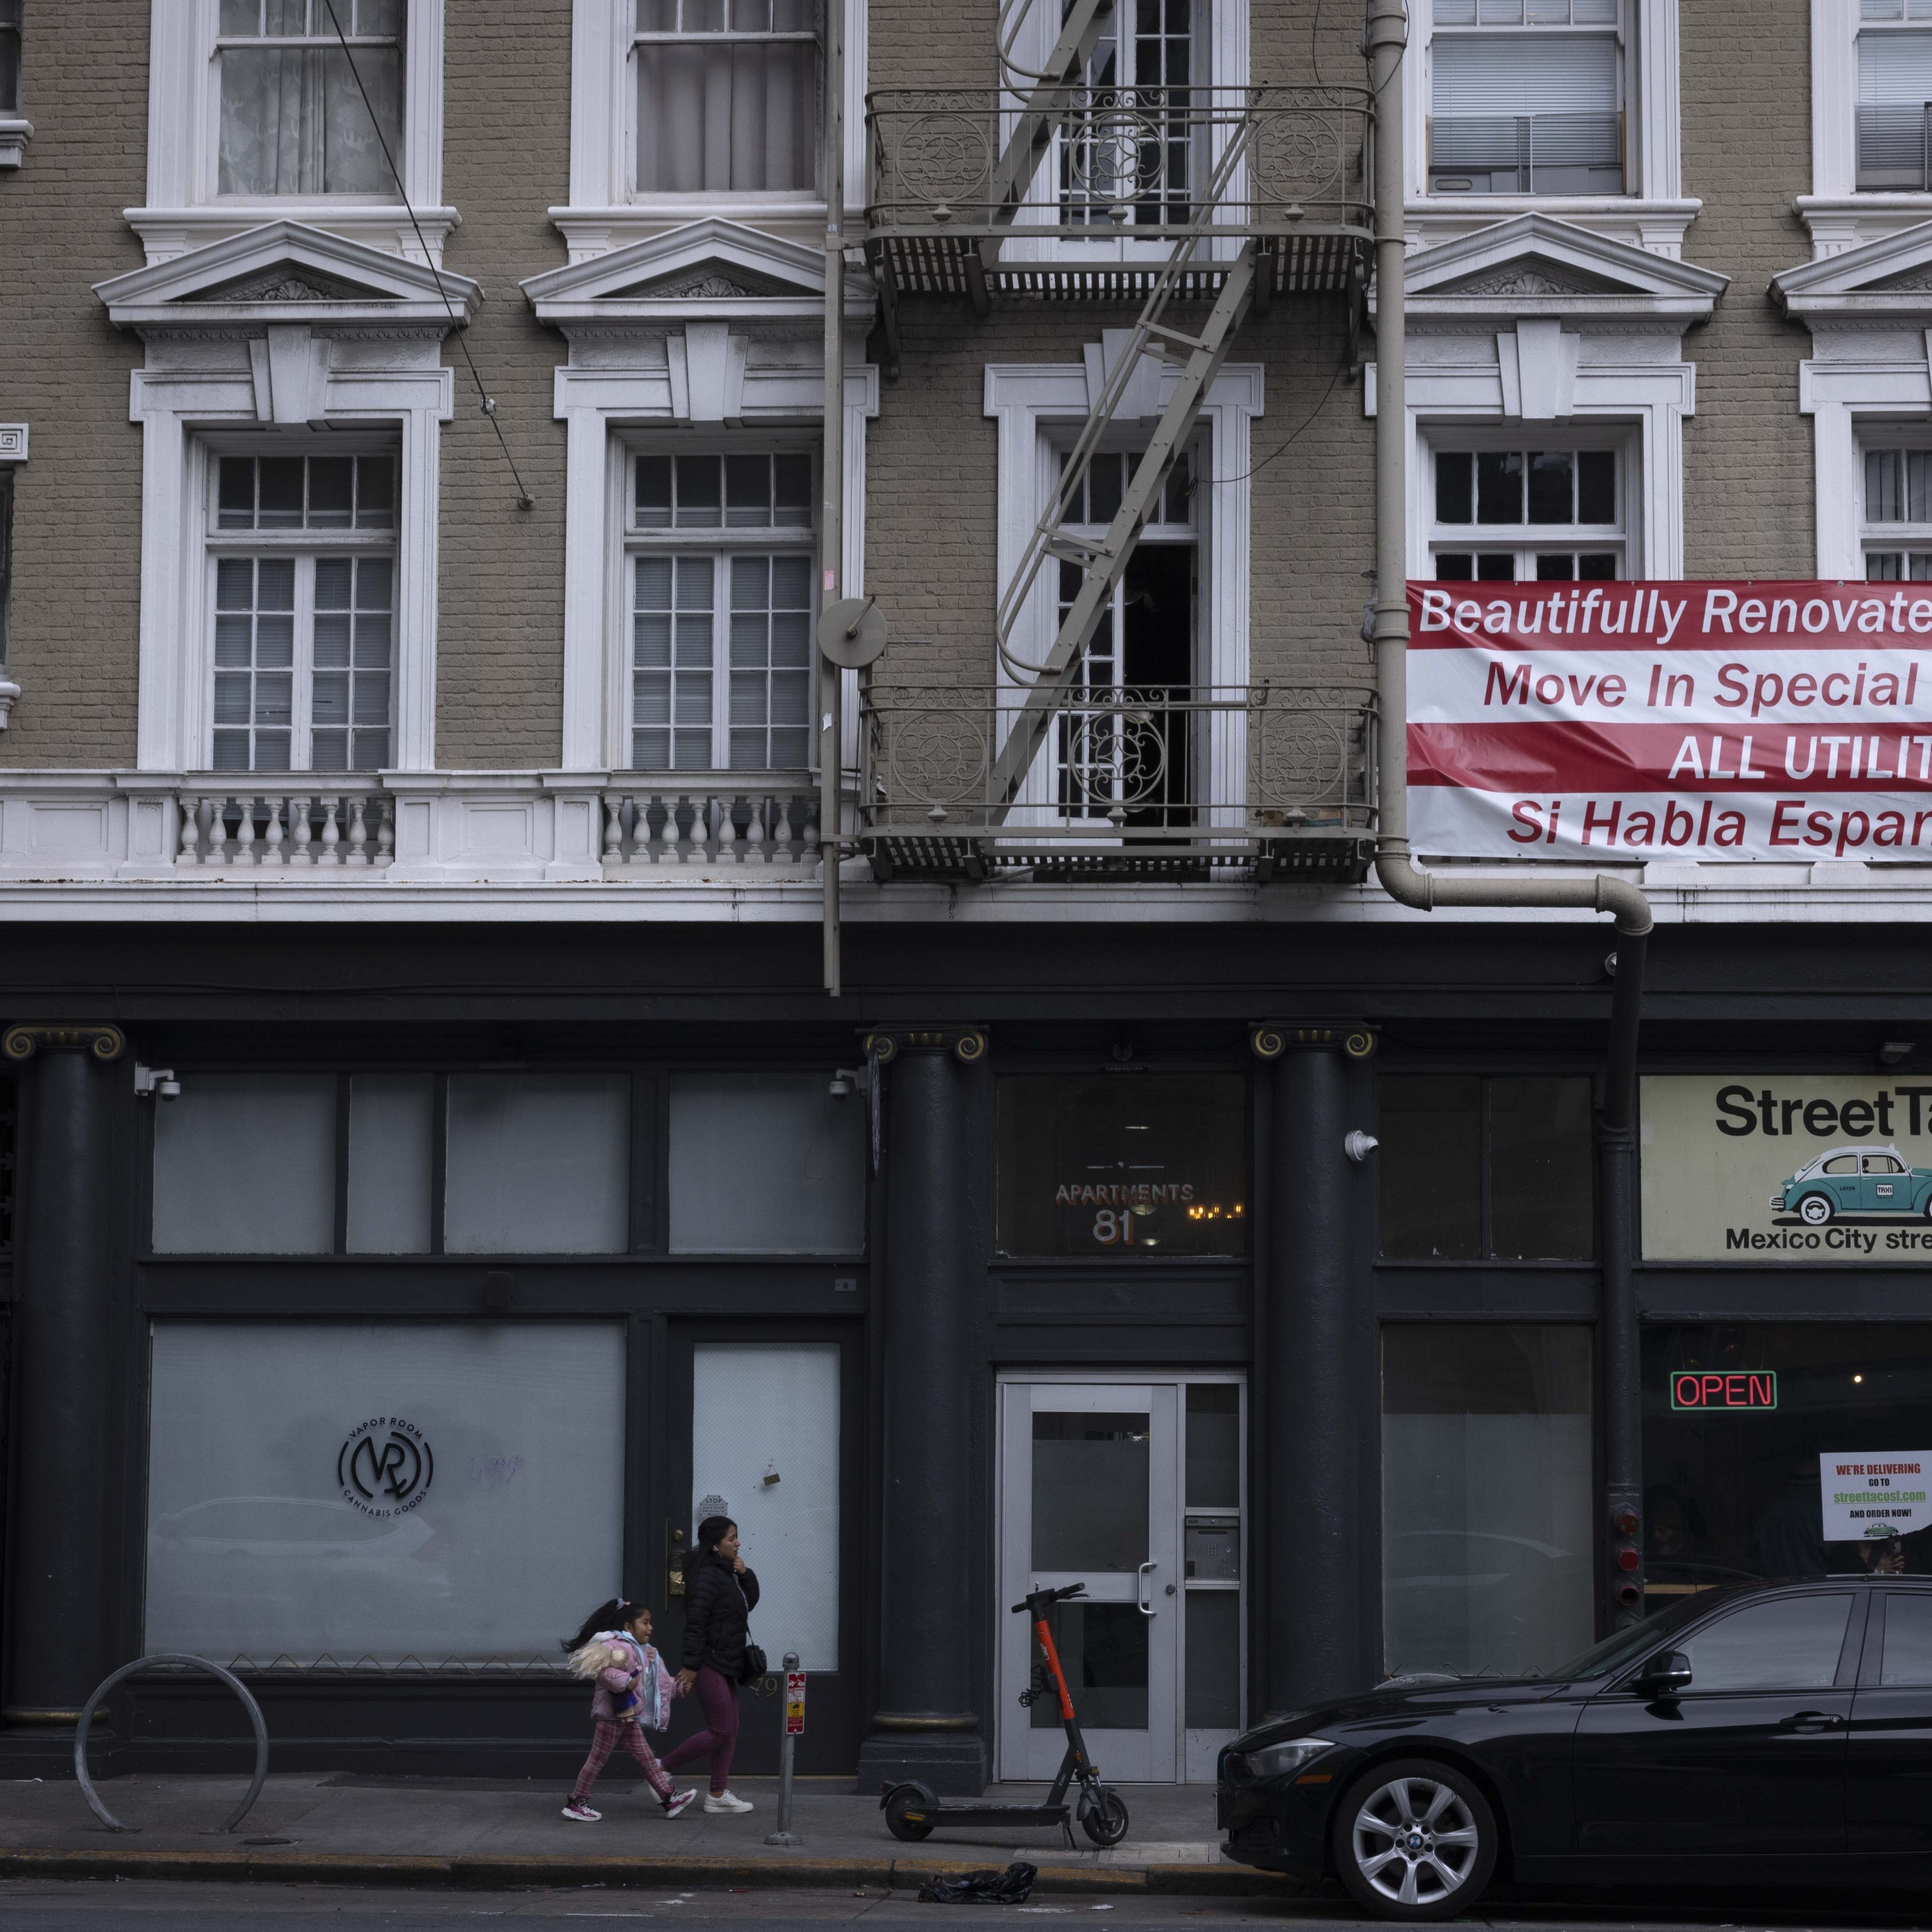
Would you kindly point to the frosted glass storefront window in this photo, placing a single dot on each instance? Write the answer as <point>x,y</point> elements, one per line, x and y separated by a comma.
<point>375,1492</point>
<point>539,1164</point>
<point>1485,1497</point>
<point>245,1164</point>
<point>766,1164</point>
<point>391,1129</point>
<point>764,1451</point>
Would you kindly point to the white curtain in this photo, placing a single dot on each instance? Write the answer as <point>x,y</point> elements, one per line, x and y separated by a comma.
<point>293,120</point>
<point>726,116</point>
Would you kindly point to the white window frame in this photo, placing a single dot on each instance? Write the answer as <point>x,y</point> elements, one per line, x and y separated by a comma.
<point>1035,404</point>
<point>1482,381</point>
<point>183,409</point>
<point>1839,216</point>
<point>184,115</point>
<point>15,131</point>
<point>13,454</point>
<point>1652,211</point>
<point>697,375</point>
<point>1913,539</point>
<point>720,544</point>
<point>605,211</point>
<point>1525,540</point>
<point>304,546</point>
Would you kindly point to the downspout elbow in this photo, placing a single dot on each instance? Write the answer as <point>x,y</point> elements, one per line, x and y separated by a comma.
<point>1403,881</point>
<point>1626,903</point>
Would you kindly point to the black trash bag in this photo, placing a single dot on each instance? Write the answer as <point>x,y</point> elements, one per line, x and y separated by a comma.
<point>1013,1886</point>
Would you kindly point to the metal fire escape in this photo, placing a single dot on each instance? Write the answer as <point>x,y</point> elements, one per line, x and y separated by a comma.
<point>1217,196</point>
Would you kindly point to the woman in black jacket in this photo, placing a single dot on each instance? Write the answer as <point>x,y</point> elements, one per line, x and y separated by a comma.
<point>719,1595</point>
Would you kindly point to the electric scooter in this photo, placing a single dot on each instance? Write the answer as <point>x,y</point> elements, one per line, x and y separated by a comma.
<point>912,1811</point>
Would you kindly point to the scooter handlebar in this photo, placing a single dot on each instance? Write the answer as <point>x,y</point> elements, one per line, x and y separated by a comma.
<point>1044,1596</point>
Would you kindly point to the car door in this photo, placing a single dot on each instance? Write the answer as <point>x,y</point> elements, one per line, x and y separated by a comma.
<point>1840,1176</point>
<point>1889,1758</point>
<point>1748,1761</point>
<point>1883,1190</point>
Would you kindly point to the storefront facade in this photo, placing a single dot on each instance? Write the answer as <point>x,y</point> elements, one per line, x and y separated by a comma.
<point>423,1319</point>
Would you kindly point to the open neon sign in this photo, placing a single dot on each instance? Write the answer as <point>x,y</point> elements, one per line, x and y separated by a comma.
<point>1746,1388</point>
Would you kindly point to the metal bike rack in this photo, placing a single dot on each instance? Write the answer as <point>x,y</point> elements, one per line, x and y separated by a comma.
<point>182,1662</point>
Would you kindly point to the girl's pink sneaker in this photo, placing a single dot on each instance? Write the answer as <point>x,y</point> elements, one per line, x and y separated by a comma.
<point>679,1803</point>
<point>582,1813</point>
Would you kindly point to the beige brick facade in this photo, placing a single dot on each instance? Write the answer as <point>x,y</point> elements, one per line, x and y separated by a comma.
<point>1747,476</point>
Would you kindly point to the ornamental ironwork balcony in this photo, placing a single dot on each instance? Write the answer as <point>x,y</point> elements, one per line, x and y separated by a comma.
<point>1141,782</point>
<point>1121,169</point>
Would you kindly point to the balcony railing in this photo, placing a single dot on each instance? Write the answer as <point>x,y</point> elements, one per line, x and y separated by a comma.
<point>1526,154</point>
<point>1895,148</point>
<point>1130,781</point>
<point>1119,164</point>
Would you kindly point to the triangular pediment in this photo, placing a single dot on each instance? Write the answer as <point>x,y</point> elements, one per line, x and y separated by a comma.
<point>1534,265</point>
<point>714,267</point>
<point>1891,276</point>
<point>291,272</point>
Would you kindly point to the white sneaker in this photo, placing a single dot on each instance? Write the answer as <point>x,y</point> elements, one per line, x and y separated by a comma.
<point>582,1813</point>
<point>723,1800</point>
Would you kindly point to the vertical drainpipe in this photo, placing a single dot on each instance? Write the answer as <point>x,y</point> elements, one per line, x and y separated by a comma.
<point>832,518</point>
<point>1385,40</point>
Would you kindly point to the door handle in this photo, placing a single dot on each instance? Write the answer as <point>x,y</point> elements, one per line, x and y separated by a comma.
<point>1140,1600</point>
<point>1812,1720</point>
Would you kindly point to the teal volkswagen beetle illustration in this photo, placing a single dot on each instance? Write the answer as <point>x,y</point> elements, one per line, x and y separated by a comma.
<point>1856,1181</point>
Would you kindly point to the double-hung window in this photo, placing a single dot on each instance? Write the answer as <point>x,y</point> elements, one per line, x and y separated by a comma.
<point>302,551</point>
<point>1894,120</point>
<point>1514,515</point>
<point>6,565</point>
<point>10,56</point>
<point>727,96</point>
<point>1526,97</point>
<point>1129,748</point>
<point>1896,535</point>
<point>1127,153</point>
<point>301,114</point>
<point>720,573</point>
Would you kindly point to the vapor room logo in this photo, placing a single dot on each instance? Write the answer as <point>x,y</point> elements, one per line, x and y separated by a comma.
<point>1771,1167</point>
<point>385,1468</point>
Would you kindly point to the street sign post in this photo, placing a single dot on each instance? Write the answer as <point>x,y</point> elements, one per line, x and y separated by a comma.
<point>794,1730</point>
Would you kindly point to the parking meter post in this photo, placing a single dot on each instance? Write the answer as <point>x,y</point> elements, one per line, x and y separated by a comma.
<point>792,1704</point>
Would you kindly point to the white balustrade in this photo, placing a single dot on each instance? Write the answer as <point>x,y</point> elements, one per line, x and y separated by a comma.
<point>298,827</point>
<point>649,827</point>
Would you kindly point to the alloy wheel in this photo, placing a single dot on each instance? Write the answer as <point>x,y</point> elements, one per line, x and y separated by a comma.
<point>1415,1841</point>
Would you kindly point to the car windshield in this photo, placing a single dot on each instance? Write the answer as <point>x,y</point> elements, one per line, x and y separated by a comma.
<point>1628,1645</point>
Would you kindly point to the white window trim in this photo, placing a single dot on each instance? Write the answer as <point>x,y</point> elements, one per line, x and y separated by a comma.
<point>1653,213</point>
<point>13,454</point>
<point>1032,401</point>
<point>1489,380</point>
<point>1871,381</point>
<point>183,209</point>
<point>1227,47</point>
<point>176,407</point>
<point>1514,433</point>
<point>601,409</point>
<point>1838,216</point>
<point>603,213</point>
<point>1881,434</point>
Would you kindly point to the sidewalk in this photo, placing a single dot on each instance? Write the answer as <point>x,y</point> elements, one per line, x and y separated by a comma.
<point>487,1833</point>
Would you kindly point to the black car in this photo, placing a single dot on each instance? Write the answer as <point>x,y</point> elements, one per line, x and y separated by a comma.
<point>1769,1734</point>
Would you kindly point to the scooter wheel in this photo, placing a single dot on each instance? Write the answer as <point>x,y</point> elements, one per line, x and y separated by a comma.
<point>908,1817</point>
<point>1104,1817</point>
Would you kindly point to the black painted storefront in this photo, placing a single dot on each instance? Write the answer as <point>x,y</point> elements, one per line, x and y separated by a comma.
<point>926,1319</point>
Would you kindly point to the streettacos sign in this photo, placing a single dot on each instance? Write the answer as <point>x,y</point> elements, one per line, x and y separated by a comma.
<point>1773,1167</point>
<point>1787,721</point>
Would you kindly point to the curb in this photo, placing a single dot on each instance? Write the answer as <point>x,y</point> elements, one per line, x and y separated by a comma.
<point>509,1870</point>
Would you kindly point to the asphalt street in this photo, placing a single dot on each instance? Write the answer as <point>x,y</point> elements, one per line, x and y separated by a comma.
<point>135,1906</point>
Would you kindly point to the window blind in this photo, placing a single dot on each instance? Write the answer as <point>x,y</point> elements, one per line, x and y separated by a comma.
<point>1894,70</point>
<point>1526,73</point>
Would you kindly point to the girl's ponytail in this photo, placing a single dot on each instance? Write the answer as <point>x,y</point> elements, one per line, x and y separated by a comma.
<point>606,1616</point>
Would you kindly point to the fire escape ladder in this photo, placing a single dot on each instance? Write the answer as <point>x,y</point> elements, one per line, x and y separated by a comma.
<point>1104,563</point>
<point>1045,111</point>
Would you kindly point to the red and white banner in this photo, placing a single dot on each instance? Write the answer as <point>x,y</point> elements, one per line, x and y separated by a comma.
<point>1691,721</point>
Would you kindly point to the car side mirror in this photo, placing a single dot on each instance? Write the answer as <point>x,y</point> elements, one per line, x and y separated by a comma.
<point>1667,1673</point>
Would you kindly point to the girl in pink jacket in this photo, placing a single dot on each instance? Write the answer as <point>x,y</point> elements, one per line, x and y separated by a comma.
<point>633,1689</point>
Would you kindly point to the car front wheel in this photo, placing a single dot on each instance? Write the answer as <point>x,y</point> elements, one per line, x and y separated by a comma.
<point>1415,1839</point>
<point>1814,1211</point>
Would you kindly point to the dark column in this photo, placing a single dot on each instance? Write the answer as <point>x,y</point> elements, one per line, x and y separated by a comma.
<point>68,1222</point>
<point>926,1727</point>
<point>1619,1336</point>
<point>1316,1328</point>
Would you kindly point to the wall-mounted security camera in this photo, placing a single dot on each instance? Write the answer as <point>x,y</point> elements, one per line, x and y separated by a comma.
<point>1358,1146</point>
<point>1893,1052</point>
<point>847,1081</point>
<point>155,1083</point>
